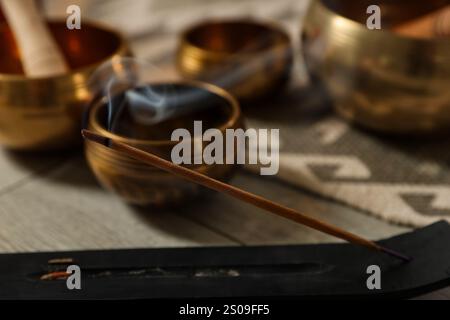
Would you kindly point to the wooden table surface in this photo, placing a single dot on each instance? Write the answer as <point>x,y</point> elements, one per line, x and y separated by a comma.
<point>52,202</point>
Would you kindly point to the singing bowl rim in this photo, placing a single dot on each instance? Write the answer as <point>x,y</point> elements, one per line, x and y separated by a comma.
<point>267,24</point>
<point>229,123</point>
<point>360,28</point>
<point>121,49</point>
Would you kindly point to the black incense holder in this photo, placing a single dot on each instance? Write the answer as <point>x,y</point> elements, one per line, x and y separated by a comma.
<point>306,271</point>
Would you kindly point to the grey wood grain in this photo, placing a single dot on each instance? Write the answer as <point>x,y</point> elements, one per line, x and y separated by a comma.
<point>251,226</point>
<point>67,210</point>
<point>18,167</point>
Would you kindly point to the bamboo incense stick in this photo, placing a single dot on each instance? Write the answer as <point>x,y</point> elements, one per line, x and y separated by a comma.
<point>240,194</point>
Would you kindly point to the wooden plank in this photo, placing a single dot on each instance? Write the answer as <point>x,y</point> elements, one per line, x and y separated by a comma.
<point>18,167</point>
<point>250,225</point>
<point>67,210</point>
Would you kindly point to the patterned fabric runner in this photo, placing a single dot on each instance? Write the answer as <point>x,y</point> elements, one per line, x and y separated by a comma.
<point>402,180</point>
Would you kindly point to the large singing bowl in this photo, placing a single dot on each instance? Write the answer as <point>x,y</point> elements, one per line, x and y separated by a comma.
<point>376,78</point>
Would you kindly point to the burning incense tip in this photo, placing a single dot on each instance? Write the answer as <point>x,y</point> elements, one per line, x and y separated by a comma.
<point>89,135</point>
<point>57,275</point>
<point>396,254</point>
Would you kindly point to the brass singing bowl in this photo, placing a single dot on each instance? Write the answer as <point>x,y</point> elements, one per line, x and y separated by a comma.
<point>379,79</point>
<point>251,59</point>
<point>140,184</point>
<point>45,113</point>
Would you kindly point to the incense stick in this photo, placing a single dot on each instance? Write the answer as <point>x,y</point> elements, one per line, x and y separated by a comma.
<point>240,194</point>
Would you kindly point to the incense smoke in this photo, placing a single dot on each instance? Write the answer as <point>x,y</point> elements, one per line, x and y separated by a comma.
<point>138,88</point>
<point>134,87</point>
<point>136,91</point>
<point>127,84</point>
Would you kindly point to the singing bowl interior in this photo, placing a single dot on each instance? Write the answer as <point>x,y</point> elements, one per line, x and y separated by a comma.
<point>251,59</point>
<point>234,37</point>
<point>81,48</point>
<point>376,78</point>
<point>45,113</point>
<point>214,107</point>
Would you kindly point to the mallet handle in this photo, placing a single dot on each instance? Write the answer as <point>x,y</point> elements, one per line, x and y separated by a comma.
<point>40,54</point>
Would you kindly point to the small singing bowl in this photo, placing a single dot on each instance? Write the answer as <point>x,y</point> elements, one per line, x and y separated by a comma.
<point>376,78</point>
<point>46,113</point>
<point>250,59</point>
<point>140,184</point>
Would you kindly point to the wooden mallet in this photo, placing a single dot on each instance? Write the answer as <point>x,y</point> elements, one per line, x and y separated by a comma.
<point>40,55</point>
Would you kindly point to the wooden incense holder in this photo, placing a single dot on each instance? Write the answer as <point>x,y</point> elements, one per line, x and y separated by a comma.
<point>39,52</point>
<point>315,271</point>
<point>433,25</point>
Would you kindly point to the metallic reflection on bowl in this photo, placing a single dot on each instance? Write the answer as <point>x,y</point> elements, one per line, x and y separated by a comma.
<point>378,79</point>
